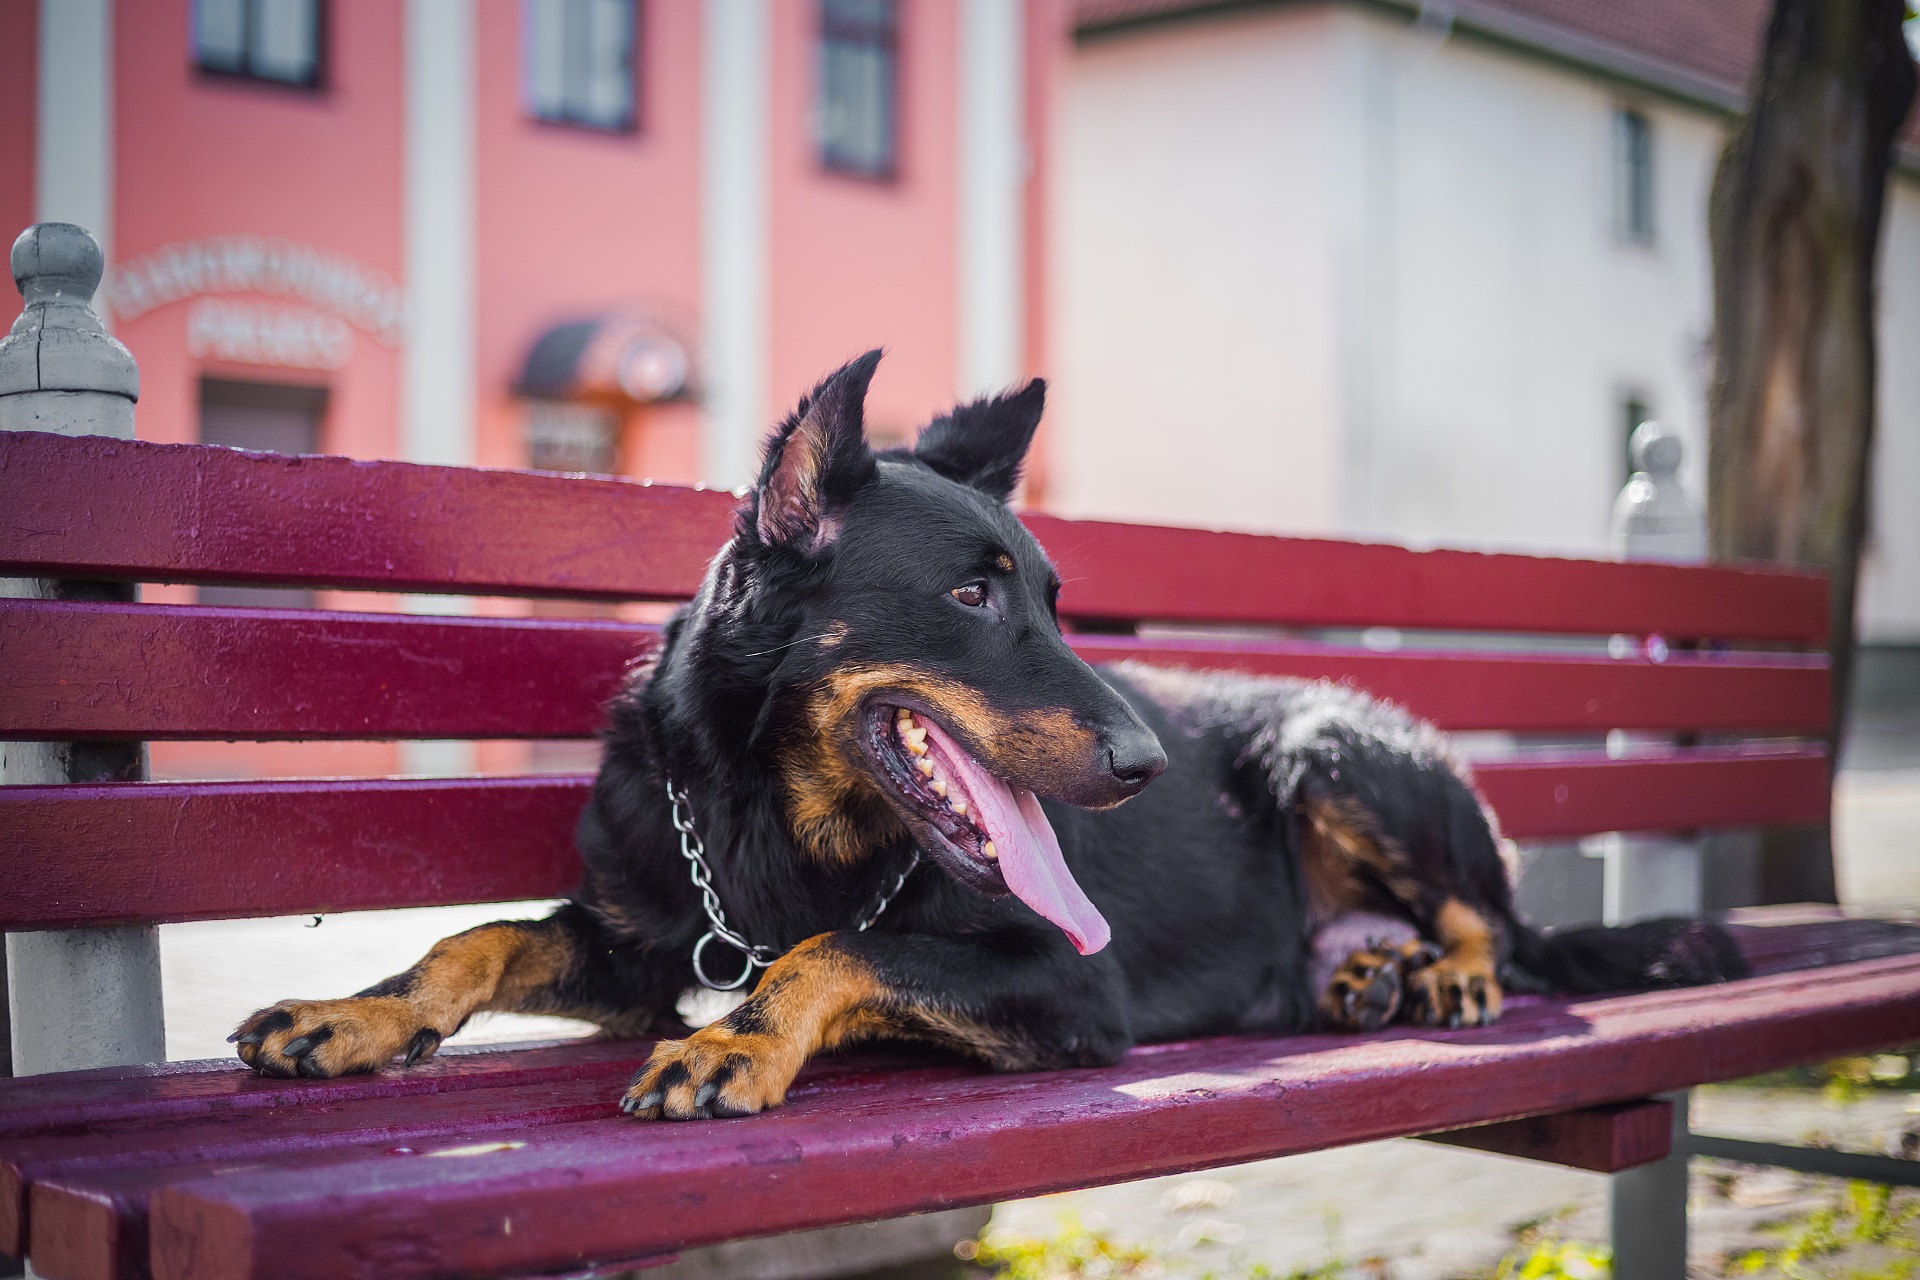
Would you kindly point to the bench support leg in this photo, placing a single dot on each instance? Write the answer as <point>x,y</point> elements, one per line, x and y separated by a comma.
<point>1647,1212</point>
<point>85,998</point>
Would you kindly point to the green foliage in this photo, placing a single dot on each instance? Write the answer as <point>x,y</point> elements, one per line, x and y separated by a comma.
<point>1551,1259</point>
<point>1848,1079</point>
<point>1868,1215</point>
<point>1074,1253</point>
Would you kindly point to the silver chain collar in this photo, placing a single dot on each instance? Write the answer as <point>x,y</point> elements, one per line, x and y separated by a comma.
<point>695,851</point>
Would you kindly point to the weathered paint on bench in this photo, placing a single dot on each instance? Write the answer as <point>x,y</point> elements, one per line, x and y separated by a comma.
<point>90,1180</point>
<point>182,513</point>
<point>205,1170</point>
<point>605,1190</point>
<point>199,851</point>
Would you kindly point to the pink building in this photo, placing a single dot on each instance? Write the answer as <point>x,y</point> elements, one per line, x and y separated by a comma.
<point>583,234</point>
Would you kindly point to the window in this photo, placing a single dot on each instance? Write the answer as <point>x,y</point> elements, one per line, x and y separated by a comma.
<point>565,436</point>
<point>274,40</point>
<point>1632,176</point>
<point>580,61</point>
<point>859,86</point>
<point>1634,410</point>
<point>267,418</point>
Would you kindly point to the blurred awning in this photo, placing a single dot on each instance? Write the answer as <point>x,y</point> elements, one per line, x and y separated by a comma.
<point>617,358</point>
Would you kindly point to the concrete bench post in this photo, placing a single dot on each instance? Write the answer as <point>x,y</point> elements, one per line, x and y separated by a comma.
<point>76,997</point>
<point>1654,518</point>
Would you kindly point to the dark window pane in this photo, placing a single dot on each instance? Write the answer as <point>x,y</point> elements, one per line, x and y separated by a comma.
<point>220,34</point>
<point>266,418</point>
<point>277,40</point>
<point>1633,412</point>
<point>579,61</point>
<point>1633,176</point>
<point>859,73</point>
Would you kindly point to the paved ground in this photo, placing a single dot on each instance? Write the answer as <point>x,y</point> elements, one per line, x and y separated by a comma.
<point>1422,1212</point>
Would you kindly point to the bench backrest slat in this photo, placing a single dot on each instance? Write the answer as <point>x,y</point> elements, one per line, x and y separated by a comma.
<point>82,670</point>
<point>90,506</point>
<point>169,851</point>
<point>181,851</point>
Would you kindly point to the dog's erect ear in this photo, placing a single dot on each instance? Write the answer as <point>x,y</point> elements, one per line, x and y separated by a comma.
<point>817,461</point>
<point>983,444</point>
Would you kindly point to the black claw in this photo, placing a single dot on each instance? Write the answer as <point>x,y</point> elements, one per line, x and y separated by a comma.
<point>310,1068</point>
<point>303,1045</point>
<point>251,1038</point>
<point>648,1100</point>
<point>705,1094</point>
<point>425,1041</point>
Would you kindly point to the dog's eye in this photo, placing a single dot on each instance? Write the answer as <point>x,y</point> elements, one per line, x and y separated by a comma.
<point>973,595</point>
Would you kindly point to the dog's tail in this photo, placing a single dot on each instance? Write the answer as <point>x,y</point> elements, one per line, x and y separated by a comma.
<point>1674,951</point>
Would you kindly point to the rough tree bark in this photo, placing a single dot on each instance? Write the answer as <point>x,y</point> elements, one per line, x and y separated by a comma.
<point>1794,222</point>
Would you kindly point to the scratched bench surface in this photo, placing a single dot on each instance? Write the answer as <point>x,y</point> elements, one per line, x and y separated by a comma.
<point>509,1162</point>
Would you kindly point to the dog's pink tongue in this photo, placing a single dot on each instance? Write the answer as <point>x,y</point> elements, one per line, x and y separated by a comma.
<point>1030,857</point>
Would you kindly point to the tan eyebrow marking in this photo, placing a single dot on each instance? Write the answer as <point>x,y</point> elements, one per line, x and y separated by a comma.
<point>1005,562</point>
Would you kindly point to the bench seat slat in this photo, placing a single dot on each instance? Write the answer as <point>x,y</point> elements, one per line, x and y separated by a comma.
<point>161,672</point>
<point>118,853</point>
<point>92,1147</point>
<point>93,507</point>
<point>602,1191</point>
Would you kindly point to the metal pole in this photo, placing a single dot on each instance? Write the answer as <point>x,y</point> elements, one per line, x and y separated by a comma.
<point>77,997</point>
<point>1654,518</point>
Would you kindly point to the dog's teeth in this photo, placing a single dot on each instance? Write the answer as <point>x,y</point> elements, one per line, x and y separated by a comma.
<point>916,735</point>
<point>916,748</point>
<point>924,766</point>
<point>989,850</point>
<point>958,806</point>
<point>940,787</point>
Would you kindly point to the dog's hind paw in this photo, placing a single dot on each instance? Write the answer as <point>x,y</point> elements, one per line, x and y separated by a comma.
<point>323,1038</point>
<point>1366,992</point>
<point>713,1074</point>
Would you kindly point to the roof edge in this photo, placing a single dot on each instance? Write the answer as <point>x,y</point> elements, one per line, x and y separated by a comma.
<point>1518,33</point>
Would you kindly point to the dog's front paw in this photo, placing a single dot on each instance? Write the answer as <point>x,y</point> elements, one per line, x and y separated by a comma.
<point>1454,992</point>
<point>322,1038</point>
<point>714,1073</point>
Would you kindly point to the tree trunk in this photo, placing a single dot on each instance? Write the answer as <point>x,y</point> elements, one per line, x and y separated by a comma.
<point>1794,221</point>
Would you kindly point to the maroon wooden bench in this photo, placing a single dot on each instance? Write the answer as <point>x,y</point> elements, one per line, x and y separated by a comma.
<point>515,1161</point>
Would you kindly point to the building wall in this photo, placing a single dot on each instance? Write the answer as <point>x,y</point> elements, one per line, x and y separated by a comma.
<point>858,263</point>
<point>1890,577</point>
<point>19,57</point>
<point>1320,270</point>
<point>574,221</point>
<point>1193,275</point>
<point>1499,322</point>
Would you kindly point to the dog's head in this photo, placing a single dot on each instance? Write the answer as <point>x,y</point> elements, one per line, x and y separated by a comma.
<point>921,684</point>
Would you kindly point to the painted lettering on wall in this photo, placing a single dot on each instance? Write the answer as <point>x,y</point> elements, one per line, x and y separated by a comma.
<point>329,282</point>
<point>259,333</point>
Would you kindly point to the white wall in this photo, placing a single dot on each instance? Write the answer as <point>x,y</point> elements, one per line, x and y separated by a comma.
<point>1890,583</point>
<point>1320,270</point>
<point>1194,370</point>
<point>1504,321</point>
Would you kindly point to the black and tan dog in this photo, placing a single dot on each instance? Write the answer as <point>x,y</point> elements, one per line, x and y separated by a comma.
<point>869,708</point>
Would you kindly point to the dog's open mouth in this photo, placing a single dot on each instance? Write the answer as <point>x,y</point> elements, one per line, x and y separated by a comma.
<point>990,835</point>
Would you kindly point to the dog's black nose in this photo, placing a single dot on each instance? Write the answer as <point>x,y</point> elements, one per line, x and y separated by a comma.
<point>1135,759</point>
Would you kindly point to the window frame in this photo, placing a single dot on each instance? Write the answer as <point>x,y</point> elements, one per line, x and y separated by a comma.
<point>633,122</point>
<point>1635,182</point>
<point>884,37</point>
<point>318,79</point>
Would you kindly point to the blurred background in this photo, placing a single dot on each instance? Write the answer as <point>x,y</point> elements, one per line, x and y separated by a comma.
<point>1357,268</point>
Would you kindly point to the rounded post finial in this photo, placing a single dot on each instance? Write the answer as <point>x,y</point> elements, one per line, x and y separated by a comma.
<point>1655,449</point>
<point>1654,518</point>
<point>60,370</point>
<point>57,262</point>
